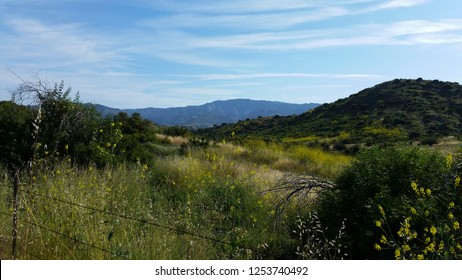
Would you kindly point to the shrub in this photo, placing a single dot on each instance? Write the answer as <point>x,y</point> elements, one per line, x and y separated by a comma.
<point>380,176</point>
<point>431,228</point>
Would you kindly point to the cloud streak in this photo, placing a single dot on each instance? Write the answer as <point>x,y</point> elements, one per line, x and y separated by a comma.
<point>396,33</point>
<point>266,15</point>
<point>209,77</point>
<point>35,46</point>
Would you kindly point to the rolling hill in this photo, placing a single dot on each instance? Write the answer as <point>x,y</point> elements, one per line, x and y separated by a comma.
<point>398,110</point>
<point>214,113</point>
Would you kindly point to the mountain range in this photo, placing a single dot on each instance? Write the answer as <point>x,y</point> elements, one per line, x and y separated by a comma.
<point>214,113</point>
<point>397,110</point>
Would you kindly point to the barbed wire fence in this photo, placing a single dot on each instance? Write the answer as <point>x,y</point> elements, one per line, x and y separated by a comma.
<point>15,249</point>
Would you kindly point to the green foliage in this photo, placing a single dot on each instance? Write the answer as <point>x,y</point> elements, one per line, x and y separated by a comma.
<point>379,176</point>
<point>394,111</point>
<point>176,131</point>
<point>139,142</point>
<point>16,132</point>
<point>431,227</point>
<point>57,127</point>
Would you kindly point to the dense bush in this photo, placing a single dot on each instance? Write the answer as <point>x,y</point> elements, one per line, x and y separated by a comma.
<point>380,176</point>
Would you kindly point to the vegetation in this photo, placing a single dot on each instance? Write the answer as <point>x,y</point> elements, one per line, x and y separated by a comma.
<point>382,177</point>
<point>397,111</point>
<point>122,187</point>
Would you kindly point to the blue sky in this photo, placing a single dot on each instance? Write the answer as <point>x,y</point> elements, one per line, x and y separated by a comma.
<point>168,53</point>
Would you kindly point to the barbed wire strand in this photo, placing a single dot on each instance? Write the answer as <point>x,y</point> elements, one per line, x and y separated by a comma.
<point>6,242</point>
<point>179,231</point>
<point>70,238</point>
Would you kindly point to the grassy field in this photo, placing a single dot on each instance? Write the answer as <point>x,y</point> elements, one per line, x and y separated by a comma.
<point>200,203</point>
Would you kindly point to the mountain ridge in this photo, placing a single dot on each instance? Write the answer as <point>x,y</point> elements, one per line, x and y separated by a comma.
<point>213,113</point>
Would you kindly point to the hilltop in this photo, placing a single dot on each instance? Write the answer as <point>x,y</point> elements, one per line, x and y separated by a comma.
<point>214,113</point>
<point>398,110</point>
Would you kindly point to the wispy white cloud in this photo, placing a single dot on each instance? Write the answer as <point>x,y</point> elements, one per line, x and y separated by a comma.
<point>395,33</point>
<point>266,15</point>
<point>35,45</point>
<point>190,58</point>
<point>284,75</point>
<point>392,4</point>
<point>246,7</point>
<point>264,21</point>
<point>403,28</point>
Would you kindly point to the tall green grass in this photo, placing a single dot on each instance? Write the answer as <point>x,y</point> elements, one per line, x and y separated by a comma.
<point>209,204</point>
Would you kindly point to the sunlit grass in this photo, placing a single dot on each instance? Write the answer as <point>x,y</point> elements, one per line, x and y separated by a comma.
<point>218,192</point>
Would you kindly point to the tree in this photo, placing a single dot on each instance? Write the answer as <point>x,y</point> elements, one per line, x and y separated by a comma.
<point>58,125</point>
<point>16,132</point>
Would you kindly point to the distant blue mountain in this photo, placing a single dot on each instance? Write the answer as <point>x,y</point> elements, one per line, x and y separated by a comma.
<point>214,113</point>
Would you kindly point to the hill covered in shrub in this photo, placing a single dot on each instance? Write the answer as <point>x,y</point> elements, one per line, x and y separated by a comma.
<point>398,110</point>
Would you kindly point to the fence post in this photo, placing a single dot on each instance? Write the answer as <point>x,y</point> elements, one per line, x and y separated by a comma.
<point>15,210</point>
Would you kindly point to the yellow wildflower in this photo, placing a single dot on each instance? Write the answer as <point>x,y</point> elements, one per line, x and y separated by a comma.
<point>456,225</point>
<point>441,247</point>
<point>382,212</point>
<point>406,247</point>
<point>428,192</point>
<point>377,247</point>
<point>450,216</point>
<point>383,240</point>
<point>451,205</point>
<point>397,253</point>
<point>457,181</point>
<point>422,191</point>
<point>401,232</point>
<point>433,230</point>
<point>378,223</point>
<point>420,257</point>
<point>413,211</point>
<point>414,187</point>
<point>449,160</point>
<point>431,247</point>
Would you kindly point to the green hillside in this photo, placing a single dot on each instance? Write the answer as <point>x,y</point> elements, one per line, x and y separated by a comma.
<point>417,110</point>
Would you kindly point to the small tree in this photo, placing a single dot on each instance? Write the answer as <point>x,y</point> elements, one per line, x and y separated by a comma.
<point>58,126</point>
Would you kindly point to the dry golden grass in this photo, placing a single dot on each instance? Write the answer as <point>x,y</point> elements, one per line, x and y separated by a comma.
<point>176,140</point>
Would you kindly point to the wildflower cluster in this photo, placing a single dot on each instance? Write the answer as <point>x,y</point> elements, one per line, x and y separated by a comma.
<point>107,139</point>
<point>430,230</point>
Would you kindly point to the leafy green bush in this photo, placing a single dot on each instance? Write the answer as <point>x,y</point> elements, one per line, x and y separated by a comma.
<point>380,176</point>
<point>431,228</point>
